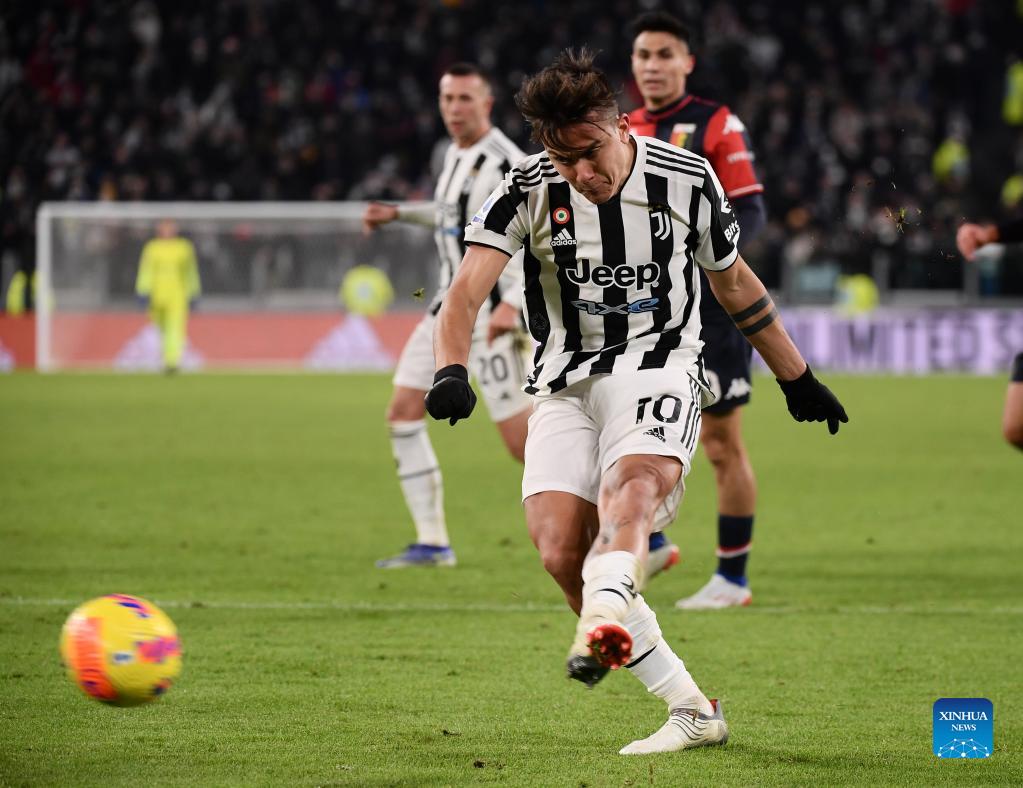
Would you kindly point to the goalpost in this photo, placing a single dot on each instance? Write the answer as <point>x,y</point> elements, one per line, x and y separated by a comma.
<point>271,275</point>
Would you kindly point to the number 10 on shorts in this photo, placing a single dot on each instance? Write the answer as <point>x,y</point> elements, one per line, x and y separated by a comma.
<point>666,409</point>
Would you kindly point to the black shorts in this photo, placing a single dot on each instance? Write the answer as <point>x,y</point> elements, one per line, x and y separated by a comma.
<point>727,357</point>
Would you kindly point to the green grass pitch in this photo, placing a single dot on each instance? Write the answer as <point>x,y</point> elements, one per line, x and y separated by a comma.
<point>886,574</point>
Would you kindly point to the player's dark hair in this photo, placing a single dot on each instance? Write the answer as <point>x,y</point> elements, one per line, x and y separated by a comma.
<point>569,91</point>
<point>660,22</point>
<point>463,69</point>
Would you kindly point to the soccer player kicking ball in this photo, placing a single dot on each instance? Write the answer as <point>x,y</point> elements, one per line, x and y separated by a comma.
<point>613,228</point>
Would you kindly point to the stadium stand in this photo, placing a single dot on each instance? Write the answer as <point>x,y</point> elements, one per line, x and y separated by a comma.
<point>877,126</point>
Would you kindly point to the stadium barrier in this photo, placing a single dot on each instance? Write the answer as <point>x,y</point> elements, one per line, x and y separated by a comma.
<point>894,341</point>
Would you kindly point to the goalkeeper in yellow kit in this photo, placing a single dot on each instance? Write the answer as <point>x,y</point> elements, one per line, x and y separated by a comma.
<point>168,281</point>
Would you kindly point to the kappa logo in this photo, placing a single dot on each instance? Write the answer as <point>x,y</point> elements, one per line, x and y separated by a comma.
<point>563,238</point>
<point>657,432</point>
<point>739,387</point>
<point>733,124</point>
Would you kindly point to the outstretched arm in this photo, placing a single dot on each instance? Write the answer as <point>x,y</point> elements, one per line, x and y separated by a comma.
<point>748,303</point>
<point>381,213</point>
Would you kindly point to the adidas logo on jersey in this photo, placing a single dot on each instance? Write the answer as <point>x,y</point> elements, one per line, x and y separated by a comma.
<point>563,239</point>
<point>657,432</point>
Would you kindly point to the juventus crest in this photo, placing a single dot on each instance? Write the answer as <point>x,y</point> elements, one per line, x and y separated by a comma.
<point>660,221</point>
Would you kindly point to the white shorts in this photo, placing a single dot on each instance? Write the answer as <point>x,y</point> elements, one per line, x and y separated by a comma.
<point>500,369</point>
<point>577,434</point>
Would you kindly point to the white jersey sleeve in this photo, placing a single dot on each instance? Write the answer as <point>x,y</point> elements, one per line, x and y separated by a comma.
<point>423,213</point>
<point>718,226</point>
<point>502,222</point>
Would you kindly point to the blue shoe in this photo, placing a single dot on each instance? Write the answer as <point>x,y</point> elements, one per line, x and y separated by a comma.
<point>419,555</point>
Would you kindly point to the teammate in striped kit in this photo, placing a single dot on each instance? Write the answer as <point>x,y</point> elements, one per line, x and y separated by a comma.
<point>661,62</point>
<point>614,308</point>
<point>474,164</point>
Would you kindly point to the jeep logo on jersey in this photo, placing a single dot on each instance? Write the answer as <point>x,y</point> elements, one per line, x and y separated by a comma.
<point>605,276</point>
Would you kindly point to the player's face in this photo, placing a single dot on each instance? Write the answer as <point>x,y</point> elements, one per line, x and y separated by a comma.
<point>167,228</point>
<point>465,103</point>
<point>660,63</point>
<point>595,157</point>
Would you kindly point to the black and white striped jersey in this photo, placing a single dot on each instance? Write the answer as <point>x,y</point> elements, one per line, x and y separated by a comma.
<point>612,287</point>
<point>468,177</point>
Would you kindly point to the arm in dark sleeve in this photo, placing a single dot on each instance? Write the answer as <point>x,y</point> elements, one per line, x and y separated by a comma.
<point>751,211</point>
<point>1011,232</point>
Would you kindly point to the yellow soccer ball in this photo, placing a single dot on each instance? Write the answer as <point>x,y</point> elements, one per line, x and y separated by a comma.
<point>366,290</point>
<point>120,649</point>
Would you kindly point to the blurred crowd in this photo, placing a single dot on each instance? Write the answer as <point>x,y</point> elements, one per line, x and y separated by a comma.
<point>878,125</point>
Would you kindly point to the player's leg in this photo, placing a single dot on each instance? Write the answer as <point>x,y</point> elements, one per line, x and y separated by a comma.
<point>736,486</point>
<point>499,368</point>
<point>727,356</point>
<point>560,482</point>
<point>693,719</point>
<point>649,423</point>
<point>1012,416</point>
<point>631,492</point>
<point>174,334</point>
<point>643,491</point>
<point>513,433</point>
<point>562,526</point>
<point>415,461</point>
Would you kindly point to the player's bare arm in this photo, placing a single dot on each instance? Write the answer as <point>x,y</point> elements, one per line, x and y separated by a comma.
<point>376,214</point>
<point>503,320</point>
<point>481,267</point>
<point>451,397</point>
<point>748,303</point>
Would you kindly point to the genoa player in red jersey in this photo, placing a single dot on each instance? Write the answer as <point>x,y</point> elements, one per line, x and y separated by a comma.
<point>661,62</point>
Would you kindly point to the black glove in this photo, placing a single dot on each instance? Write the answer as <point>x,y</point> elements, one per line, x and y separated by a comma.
<point>451,397</point>
<point>810,400</point>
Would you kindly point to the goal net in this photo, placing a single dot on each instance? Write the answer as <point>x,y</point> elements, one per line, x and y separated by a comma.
<point>271,277</point>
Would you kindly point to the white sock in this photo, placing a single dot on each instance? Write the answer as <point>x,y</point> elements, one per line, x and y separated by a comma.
<point>610,581</point>
<point>659,668</point>
<point>421,482</point>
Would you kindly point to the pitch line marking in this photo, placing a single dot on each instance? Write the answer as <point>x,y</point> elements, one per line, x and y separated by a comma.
<point>522,607</point>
